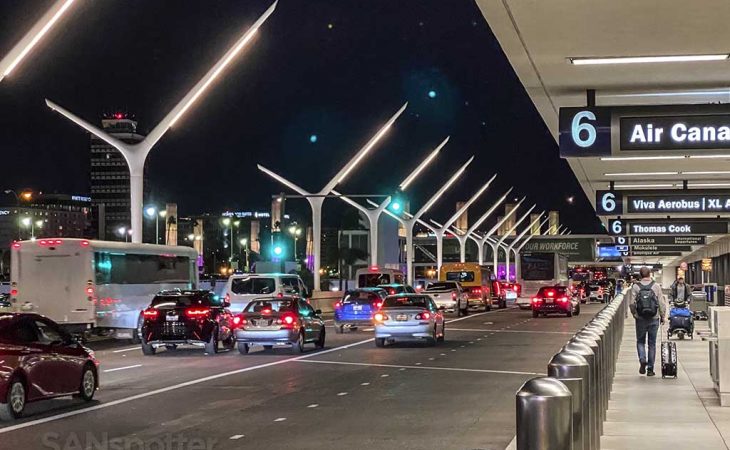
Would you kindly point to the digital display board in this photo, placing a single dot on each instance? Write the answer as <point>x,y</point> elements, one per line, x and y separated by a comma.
<point>711,131</point>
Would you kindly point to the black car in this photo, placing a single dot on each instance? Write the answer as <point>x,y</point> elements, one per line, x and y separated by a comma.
<point>198,318</point>
<point>554,300</point>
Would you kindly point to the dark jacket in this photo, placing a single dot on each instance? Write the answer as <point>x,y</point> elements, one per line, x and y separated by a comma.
<point>687,292</point>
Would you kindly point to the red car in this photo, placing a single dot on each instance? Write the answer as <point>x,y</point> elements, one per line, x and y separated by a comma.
<point>39,361</point>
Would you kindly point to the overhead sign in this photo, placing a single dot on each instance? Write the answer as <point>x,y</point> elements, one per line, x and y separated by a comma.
<point>667,240</point>
<point>679,203</point>
<point>576,249</point>
<point>667,226</point>
<point>632,253</point>
<point>602,131</point>
<point>661,248</point>
<point>707,265</point>
<point>610,250</point>
<point>609,203</point>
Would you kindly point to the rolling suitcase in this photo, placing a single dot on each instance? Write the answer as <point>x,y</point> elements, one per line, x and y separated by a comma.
<point>669,358</point>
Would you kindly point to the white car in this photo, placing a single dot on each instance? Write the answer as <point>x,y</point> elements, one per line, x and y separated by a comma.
<point>241,289</point>
<point>450,295</point>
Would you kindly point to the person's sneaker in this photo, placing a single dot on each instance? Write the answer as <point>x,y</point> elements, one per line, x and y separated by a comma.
<point>650,373</point>
<point>642,368</point>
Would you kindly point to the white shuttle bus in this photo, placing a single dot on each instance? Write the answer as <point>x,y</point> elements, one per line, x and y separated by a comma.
<point>86,284</point>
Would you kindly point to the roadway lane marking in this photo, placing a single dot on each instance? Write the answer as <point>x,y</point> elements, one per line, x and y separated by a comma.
<point>341,394</point>
<point>313,405</point>
<point>236,437</point>
<point>385,375</point>
<point>127,349</point>
<point>121,401</point>
<point>364,384</point>
<point>280,419</point>
<point>123,368</point>
<point>481,330</point>
<point>395,366</point>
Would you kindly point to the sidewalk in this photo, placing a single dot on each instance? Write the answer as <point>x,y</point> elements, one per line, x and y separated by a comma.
<point>654,413</point>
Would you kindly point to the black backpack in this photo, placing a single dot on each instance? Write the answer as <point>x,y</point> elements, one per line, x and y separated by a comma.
<point>647,305</point>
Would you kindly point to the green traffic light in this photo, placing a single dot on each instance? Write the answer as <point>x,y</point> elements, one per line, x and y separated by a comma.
<point>278,250</point>
<point>395,206</point>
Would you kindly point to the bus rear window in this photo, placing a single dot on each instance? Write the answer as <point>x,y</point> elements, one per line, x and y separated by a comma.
<point>373,279</point>
<point>462,276</point>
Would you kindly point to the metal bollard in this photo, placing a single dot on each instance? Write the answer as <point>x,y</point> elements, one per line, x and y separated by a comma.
<point>593,395</point>
<point>601,356</point>
<point>572,369</point>
<point>593,358</point>
<point>544,415</point>
<point>599,326</point>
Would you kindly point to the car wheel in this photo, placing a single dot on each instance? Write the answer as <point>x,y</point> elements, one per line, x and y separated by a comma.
<point>442,338</point>
<point>380,342</point>
<point>459,311</point>
<point>243,348</point>
<point>299,344</point>
<point>535,314</point>
<point>148,349</point>
<point>14,402</point>
<point>137,332</point>
<point>503,304</point>
<point>569,313</point>
<point>577,310</point>
<point>88,384</point>
<point>320,340</point>
<point>487,306</point>
<point>171,346</point>
<point>211,347</point>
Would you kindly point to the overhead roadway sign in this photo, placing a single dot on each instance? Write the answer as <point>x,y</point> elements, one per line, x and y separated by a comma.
<point>610,203</point>
<point>669,227</point>
<point>638,253</point>
<point>667,240</point>
<point>604,130</point>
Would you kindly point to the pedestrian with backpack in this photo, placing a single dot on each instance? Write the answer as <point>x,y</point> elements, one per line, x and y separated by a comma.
<point>647,307</point>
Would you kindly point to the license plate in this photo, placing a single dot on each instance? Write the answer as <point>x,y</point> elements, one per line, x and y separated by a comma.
<point>511,295</point>
<point>172,318</point>
<point>357,307</point>
<point>548,300</point>
<point>401,317</point>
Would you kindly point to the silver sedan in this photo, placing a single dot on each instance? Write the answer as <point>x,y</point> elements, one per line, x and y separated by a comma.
<point>409,316</point>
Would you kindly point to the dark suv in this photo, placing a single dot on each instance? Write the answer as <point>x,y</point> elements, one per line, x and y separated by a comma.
<point>554,300</point>
<point>198,318</point>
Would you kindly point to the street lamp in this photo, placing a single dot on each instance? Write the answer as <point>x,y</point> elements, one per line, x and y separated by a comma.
<point>295,233</point>
<point>136,154</point>
<point>151,212</point>
<point>373,215</point>
<point>317,199</point>
<point>244,245</point>
<point>409,220</point>
<point>25,45</point>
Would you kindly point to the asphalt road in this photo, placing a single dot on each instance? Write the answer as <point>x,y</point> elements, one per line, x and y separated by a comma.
<point>457,395</point>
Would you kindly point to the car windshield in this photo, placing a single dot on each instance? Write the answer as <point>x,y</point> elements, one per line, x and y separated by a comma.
<point>176,301</point>
<point>440,286</point>
<point>260,306</point>
<point>557,290</point>
<point>406,302</point>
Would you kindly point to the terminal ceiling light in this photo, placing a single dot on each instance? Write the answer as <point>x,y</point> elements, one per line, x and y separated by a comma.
<point>638,174</point>
<point>707,172</point>
<point>709,156</point>
<point>709,184</point>
<point>642,158</point>
<point>35,34</point>
<point>647,59</point>
<point>641,186</point>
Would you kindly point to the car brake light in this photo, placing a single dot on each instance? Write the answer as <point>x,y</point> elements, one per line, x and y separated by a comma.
<point>476,290</point>
<point>150,313</point>
<point>287,321</point>
<point>563,299</point>
<point>266,311</point>
<point>453,295</point>
<point>338,305</point>
<point>380,317</point>
<point>423,316</point>
<point>377,305</point>
<point>551,293</point>
<point>535,299</point>
<point>16,245</point>
<point>391,291</point>
<point>237,320</point>
<point>197,312</point>
<point>85,243</point>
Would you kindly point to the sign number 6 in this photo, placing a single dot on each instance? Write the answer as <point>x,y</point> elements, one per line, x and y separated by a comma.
<point>608,202</point>
<point>617,227</point>
<point>577,127</point>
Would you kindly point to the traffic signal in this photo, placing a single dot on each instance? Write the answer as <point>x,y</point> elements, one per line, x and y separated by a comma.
<point>397,202</point>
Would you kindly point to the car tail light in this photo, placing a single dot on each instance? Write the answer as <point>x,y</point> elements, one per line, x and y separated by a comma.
<point>477,291</point>
<point>551,293</point>
<point>197,313</point>
<point>85,243</point>
<point>286,321</point>
<point>237,320</point>
<point>423,316</point>
<point>280,295</point>
<point>338,305</point>
<point>266,311</point>
<point>377,305</point>
<point>16,245</point>
<point>563,299</point>
<point>535,299</point>
<point>380,317</point>
<point>391,291</point>
<point>150,313</point>
<point>453,295</point>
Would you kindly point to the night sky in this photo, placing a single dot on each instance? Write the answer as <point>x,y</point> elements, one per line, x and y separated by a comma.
<point>336,69</point>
